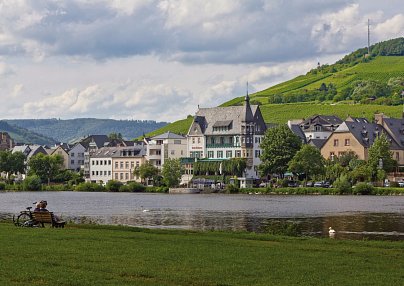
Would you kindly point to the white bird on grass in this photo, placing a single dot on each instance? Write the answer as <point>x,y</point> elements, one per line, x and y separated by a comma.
<point>331,231</point>
<point>144,210</point>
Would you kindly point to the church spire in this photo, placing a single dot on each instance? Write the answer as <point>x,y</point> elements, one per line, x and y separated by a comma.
<point>247,97</point>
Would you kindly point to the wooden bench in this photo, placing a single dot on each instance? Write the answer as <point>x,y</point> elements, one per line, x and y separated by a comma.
<point>47,217</point>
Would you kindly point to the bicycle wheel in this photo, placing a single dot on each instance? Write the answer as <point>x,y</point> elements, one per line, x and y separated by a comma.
<point>25,220</point>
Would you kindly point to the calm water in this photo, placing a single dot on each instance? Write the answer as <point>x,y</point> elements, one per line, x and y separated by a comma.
<point>354,217</point>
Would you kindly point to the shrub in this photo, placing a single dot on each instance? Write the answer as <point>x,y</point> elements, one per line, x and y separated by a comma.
<point>89,187</point>
<point>153,189</point>
<point>231,189</point>
<point>342,185</point>
<point>113,186</point>
<point>284,228</point>
<point>58,187</point>
<point>394,185</point>
<point>2,186</point>
<point>363,189</point>
<point>136,187</point>
<point>32,183</point>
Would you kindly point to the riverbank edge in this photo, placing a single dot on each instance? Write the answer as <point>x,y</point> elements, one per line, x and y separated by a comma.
<point>377,191</point>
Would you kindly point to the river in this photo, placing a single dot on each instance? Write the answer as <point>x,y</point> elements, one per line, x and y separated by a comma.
<point>353,217</point>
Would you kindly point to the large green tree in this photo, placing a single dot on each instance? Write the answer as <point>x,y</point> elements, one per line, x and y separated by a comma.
<point>46,167</point>
<point>279,146</point>
<point>309,161</point>
<point>146,171</point>
<point>380,156</point>
<point>12,163</point>
<point>172,172</point>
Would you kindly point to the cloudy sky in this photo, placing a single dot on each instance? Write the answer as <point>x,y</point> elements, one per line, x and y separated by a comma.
<point>159,59</point>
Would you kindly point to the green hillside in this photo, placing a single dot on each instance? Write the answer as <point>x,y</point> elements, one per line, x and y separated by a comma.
<point>22,135</point>
<point>358,85</point>
<point>70,129</point>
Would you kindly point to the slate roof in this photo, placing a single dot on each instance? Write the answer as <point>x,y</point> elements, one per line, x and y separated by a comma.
<point>117,152</point>
<point>329,122</point>
<point>366,133</point>
<point>167,135</point>
<point>318,143</point>
<point>206,118</point>
<point>299,132</point>
<point>395,127</point>
<point>99,140</point>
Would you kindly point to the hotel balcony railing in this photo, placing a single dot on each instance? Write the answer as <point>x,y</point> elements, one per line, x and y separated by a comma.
<point>223,145</point>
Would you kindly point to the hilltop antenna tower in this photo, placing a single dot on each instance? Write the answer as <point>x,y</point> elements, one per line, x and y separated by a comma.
<point>368,37</point>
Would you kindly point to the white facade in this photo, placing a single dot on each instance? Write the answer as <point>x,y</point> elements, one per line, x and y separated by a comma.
<point>101,169</point>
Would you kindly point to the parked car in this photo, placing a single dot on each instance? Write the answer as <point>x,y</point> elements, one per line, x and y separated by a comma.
<point>293,184</point>
<point>401,184</point>
<point>318,184</point>
<point>309,184</point>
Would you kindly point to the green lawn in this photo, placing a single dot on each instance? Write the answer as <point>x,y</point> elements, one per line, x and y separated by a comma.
<point>105,255</point>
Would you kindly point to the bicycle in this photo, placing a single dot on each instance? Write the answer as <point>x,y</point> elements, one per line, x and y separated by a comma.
<point>25,218</point>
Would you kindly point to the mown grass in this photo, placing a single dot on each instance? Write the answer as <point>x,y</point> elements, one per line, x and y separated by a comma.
<point>106,255</point>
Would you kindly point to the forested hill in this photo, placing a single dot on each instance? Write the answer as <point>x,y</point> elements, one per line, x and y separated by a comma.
<point>22,135</point>
<point>71,129</point>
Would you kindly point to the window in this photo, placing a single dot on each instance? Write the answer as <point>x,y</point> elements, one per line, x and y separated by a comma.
<point>219,154</point>
<point>182,152</point>
<point>92,163</point>
<point>335,142</point>
<point>257,153</point>
<point>92,173</point>
<point>137,163</point>
<point>193,140</point>
<point>72,162</point>
<point>212,140</point>
<point>100,162</point>
<point>105,162</point>
<point>109,162</point>
<point>132,164</point>
<point>126,176</point>
<point>221,140</point>
<point>121,165</point>
<point>126,165</point>
<point>121,176</point>
<point>96,162</point>
<point>116,165</point>
<point>210,154</point>
<point>105,173</point>
<point>397,156</point>
<point>199,140</point>
<point>72,154</point>
<point>347,142</point>
<point>332,155</point>
<point>229,154</point>
<point>177,142</point>
<point>109,173</point>
<point>116,176</point>
<point>172,152</point>
<point>96,173</point>
<point>238,154</point>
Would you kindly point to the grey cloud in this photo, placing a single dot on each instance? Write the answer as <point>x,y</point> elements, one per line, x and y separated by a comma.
<point>226,32</point>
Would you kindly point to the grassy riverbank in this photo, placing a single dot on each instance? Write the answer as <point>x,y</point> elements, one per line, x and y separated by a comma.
<point>106,255</point>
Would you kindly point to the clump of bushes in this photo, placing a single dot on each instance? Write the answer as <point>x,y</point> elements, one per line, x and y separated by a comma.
<point>343,185</point>
<point>89,187</point>
<point>113,186</point>
<point>2,186</point>
<point>32,183</point>
<point>232,189</point>
<point>363,189</point>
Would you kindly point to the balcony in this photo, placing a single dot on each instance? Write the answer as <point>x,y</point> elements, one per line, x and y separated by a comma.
<point>223,145</point>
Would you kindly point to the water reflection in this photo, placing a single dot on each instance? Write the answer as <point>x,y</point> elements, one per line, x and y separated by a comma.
<point>353,217</point>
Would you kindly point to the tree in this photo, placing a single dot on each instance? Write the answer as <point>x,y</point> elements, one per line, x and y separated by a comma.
<point>172,172</point>
<point>146,171</point>
<point>347,157</point>
<point>309,161</point>
<point>12,163</point>
<point>380,156</point>
<point>115,136</point>
<point>46,167</point>
<point>279,145</point>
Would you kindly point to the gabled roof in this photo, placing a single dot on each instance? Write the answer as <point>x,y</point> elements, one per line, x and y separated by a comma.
<point>99,140</point>
<point>395,127</point>
<point>298,132</point>
<point>117,152</point>
<point>318,143</point>
<point>167,135</point>
<point>366,133</point>
<point>329,122</point>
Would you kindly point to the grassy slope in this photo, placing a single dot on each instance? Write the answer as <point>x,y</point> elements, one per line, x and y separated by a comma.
<point>381,68</point>
<point>102,255</point>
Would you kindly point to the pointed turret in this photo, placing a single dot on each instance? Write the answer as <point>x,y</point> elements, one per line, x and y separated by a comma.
<point>247,115</point>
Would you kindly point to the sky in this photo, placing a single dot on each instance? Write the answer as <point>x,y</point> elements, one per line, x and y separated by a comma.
<point>161,59</point>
